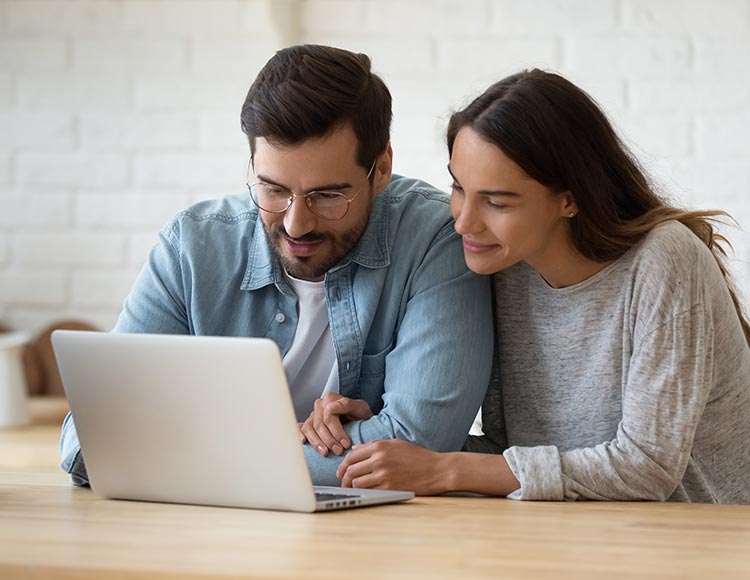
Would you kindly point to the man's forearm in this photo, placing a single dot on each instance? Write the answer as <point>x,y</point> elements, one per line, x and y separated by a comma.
<point>323,469</point>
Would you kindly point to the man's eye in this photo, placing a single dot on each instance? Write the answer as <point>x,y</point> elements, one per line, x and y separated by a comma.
<point>275,191</point>
<point>327,195</point>
<point>456,187</point>
<point>497,205</point>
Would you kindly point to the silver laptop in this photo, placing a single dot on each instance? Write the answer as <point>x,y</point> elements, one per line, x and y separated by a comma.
<point>189,419</point>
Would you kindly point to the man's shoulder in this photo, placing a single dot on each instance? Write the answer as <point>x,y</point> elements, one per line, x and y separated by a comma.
<point>227,213</point>
<point>407,190</point>
<point>415,207</point>
<point>229,209</point>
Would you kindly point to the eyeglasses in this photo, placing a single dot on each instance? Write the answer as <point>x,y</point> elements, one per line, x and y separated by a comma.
<point>329,205</point>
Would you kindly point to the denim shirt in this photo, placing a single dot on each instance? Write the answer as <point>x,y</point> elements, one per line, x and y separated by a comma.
<point>411,325</point>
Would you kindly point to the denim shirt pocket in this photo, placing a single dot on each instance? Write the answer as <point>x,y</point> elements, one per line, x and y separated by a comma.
<point>372,378</point>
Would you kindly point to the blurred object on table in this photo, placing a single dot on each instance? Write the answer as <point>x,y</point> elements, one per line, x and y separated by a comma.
<point>41,348</point>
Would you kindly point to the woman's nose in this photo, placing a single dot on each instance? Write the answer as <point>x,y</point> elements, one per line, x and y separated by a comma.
<point>466,216</point>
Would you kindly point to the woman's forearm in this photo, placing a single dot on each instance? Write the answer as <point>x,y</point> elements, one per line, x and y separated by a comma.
<point>479,473</point>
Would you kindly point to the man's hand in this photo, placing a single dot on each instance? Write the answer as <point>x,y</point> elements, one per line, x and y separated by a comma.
<point>323,428</point>
<point>394,464</point>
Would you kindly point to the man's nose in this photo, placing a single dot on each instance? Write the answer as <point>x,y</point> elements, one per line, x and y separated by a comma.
<point>298,219</point>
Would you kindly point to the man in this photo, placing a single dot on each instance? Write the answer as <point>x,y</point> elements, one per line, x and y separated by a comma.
<point>356,274</point>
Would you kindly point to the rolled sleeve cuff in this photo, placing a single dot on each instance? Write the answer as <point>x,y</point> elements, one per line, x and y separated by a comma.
<point>70,452</point>
<point>539,471</point>
<point>69,445</point>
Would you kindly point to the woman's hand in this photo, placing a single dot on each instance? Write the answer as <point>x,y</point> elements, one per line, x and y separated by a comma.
<point>395,464</point>
<point>323,428</point>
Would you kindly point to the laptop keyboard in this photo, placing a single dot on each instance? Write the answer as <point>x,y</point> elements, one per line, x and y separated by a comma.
<point>333,496</point>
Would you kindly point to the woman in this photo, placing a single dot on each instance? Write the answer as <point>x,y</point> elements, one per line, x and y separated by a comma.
<point>623,365</point>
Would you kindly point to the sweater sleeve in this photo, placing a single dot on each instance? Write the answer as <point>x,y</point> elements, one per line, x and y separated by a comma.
<point>664,395</point>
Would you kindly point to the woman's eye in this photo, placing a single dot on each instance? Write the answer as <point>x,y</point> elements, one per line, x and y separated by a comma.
<point>456,187</point>
<point>497,205</point>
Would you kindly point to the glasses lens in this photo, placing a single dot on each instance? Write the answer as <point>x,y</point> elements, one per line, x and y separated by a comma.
<point>270,197</point>
<point>328,204</point>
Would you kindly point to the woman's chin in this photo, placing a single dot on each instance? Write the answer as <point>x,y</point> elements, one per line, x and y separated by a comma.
<point>486,266</point>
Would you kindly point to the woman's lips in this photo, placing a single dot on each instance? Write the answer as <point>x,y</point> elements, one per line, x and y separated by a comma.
<point>477,248</point>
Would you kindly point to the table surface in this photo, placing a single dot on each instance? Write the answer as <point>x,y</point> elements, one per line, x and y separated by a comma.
<point>49,529</point>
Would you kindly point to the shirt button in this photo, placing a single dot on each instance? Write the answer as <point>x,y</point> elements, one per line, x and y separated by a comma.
<point>280,317</point>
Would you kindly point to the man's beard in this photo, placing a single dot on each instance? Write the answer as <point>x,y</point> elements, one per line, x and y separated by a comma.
<point>312,267</point>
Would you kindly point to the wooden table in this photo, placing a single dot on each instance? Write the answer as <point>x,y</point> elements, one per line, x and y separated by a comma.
<point>49,529</point>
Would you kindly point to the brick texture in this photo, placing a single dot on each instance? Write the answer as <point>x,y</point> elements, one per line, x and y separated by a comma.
<point>115,114</point>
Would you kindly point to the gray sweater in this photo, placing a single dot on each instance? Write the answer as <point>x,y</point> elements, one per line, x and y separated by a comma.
<point>632,385</point>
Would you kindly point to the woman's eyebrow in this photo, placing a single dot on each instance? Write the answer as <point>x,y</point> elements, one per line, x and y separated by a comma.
<point>489,192</point>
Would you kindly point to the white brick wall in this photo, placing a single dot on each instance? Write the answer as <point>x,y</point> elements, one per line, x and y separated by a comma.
<point>4,251</point>
<point>36,130</point>
<point>114,114</point>
<point>42,288</point>
<point>5,88</point>
<point>122,210</point>
<point>97,250</point>
<point>76,170</point>
<point>24,212</point>
<point>4,169</point>
<point>100,289</point>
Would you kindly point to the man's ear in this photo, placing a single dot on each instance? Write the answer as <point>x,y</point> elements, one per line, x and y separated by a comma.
<point>383,170</point>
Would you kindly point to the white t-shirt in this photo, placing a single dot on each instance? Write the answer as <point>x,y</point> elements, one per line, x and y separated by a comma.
<point>310,364</point>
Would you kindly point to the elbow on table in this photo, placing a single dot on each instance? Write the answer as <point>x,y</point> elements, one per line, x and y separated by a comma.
<point>656,489</point>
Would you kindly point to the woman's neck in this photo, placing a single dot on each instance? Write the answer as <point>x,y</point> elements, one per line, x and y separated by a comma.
<point>562,265</point>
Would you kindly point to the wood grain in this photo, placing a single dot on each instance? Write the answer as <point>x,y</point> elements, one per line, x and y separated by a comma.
<point>49,529</point>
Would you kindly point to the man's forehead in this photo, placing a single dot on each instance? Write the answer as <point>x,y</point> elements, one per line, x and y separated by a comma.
<point>336,152</point>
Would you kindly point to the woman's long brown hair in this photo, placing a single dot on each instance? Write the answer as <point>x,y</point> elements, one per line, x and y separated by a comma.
<point>558,135</point>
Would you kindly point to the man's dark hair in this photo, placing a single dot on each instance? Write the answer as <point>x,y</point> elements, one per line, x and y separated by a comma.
<point>306,92</point>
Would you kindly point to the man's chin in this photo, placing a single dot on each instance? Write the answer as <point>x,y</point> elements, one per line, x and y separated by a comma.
<point>303,267</point>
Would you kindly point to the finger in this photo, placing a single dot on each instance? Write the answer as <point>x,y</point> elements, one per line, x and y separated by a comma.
<point>352,458</point>
<point>321,428</point>
<point>333,422</point>
<point>312,438</point>
<point>370,481</point>
<point>360,409</point>
<point>355,471</point>
<point>330,397</point>
<point>302,437</point>
<point>353,409</point>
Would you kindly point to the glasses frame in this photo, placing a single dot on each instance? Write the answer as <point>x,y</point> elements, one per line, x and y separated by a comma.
<point>306,196</point>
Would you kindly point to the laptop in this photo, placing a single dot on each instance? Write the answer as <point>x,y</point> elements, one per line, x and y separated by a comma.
<point>192,419</point>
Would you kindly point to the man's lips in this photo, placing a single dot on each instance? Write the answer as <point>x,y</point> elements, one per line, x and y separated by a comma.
<point>302,248</point>
<point>474,247</point>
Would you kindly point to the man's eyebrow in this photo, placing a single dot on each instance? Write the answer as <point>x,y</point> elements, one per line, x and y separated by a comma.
<point>490,192</point>
<point>327,187</point>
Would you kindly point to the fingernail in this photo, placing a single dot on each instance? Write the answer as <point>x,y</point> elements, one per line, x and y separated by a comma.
<point>344,443</point>
<point>322,450</point>
<point>337,449</point>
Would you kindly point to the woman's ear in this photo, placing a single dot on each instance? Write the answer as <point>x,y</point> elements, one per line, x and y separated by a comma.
<point>568,207</point>
<point>383,170</point>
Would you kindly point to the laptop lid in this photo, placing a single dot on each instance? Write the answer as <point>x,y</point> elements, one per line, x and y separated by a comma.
<point>191,419</point>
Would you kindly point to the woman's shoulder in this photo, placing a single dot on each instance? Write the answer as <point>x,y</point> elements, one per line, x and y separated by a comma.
<point>671,264</point>
<point>673,238</point>
<point>672,249</point>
